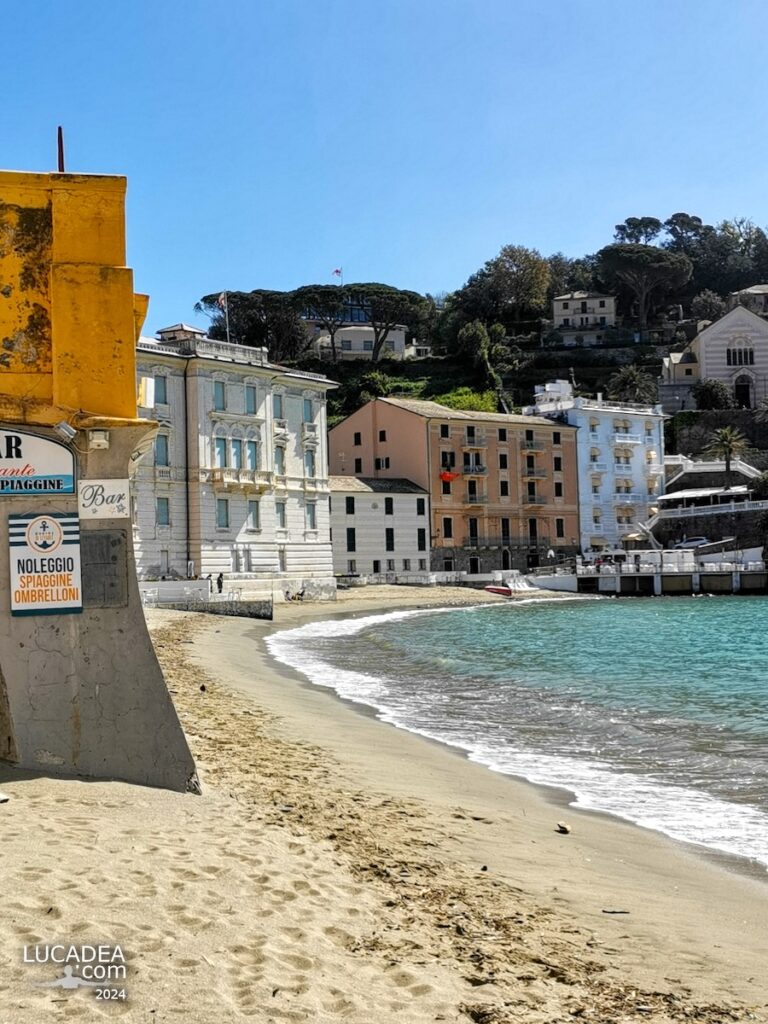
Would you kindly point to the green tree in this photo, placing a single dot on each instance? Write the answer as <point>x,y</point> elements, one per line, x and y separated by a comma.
<point>259,319</point>
<point>325,303</point>
<point>632,384</point>
<point>761,412</point>
<point>727,443</point>
<point>645,269</point>
<point>638,230</point>
<point>712,394</point>
<point>387,307</point>
<point>469,399</point>
<point>520,277</point>
<point>707,306</point>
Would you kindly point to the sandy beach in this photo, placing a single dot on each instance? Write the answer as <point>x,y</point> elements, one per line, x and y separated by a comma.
<point>338,869</point>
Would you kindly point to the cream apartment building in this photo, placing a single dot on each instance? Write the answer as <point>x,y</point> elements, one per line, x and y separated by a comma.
<point>582,317</point>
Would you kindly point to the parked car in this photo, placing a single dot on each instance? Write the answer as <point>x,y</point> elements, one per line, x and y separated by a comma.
<point>692,542</point>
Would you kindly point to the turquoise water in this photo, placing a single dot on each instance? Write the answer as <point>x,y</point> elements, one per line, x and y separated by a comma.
<point>652,709</point>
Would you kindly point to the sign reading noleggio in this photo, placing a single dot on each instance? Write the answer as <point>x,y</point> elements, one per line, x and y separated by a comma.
<point>45,564</point>
<point>31,464</point>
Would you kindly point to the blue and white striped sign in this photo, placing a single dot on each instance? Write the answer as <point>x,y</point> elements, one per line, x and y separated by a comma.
<point>45,563</point>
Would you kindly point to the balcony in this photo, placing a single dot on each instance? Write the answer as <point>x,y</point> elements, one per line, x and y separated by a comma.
<point>477,440</point>
<point>237,479</point>
<point>163,473</point>
<point>594,437</point>
<point>627,439</point>
<point>504,541</point>
<point>280,427</point>
<point>630,499</point>
<point>532,446</point>
<point>309,433</point>
<point>598,467</point>
<point>475,499</point>
<point>623,467</point>
<point>534,499</point>
<point>534,474</point>
<point>474,469</point>
<point>654,468</point>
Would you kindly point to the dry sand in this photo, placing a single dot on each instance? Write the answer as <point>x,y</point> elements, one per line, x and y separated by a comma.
<point>338,869</point>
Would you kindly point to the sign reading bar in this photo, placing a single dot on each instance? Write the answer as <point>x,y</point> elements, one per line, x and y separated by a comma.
<point>30,464</point>
<point>103,499</point>
<point>45,564</point>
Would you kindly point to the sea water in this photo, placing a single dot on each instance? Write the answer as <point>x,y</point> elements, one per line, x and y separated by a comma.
<point>655,710</point>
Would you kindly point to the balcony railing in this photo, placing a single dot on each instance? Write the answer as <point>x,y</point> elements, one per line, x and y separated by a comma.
<point>631,499</point>
<point>535,474</point>
<point>474,469</point>
<point>280,426</point>
<point>532,446</point>
<point>598,467</point>
<point>654,468</point>
<point>623,467</point>
<point>162,472</point>
<point>477,440</point>
<point>246,479</point>
<point>594,437</point>
<point>476,499</point>
<point>627,439</point>
<point>309,433</point>
<point>534,499</point>
<point>504,541</point>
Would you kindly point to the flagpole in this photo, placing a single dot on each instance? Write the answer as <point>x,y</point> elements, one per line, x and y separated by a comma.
<point>226,315</point>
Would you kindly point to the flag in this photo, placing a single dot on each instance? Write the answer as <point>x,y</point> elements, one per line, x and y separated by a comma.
<point>337,272</point>
<point>221,302</point>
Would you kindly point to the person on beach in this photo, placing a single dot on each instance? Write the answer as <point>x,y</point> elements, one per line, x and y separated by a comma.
<point>220,582</point>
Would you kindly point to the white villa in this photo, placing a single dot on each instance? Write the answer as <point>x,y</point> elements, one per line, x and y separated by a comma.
<point>379,527</point>
<point>236,481</point>
<point>620,461</point>
<point>582,317</point>
<point>355,341</point>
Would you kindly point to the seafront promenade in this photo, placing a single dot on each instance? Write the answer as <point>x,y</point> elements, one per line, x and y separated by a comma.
<point>336,868</point>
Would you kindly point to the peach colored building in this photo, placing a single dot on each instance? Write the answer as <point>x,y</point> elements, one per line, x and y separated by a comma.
<point>503,488</point>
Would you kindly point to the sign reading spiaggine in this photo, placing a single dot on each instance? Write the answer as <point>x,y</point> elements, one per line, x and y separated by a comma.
<point>31,464</point>
<point>45,564</point>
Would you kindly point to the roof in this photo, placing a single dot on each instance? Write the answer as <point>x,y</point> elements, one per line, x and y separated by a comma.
<point>734,314</point>
<point>433,410</point>
<point>703,492</point>
<point>395,485</point>
<point>583,295</point>
<point>183,327</point>
<point>755,289</point>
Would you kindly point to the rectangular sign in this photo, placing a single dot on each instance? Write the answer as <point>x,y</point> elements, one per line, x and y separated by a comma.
<point>45,564</point>
<point>103,499</point>
<point>31,464</point>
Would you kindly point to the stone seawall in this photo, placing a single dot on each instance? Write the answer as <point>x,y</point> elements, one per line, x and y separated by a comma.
<point>242,609</point>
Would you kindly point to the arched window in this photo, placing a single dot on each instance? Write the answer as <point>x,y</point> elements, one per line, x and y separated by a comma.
<point>740,353</point>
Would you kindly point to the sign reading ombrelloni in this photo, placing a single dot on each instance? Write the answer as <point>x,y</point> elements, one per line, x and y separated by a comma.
<point>31,464</point>
<point>45,563</point>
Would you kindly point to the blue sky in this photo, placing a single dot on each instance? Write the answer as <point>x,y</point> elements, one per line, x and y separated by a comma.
<point>268,141</point>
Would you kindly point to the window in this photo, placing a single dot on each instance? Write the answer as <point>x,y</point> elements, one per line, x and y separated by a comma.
<point>447,459</point>
<point>421,540</point>
<point>558,490</point>
<point>358,465</point>
<point>447,527</point>
<point>446,486</point>
<point>530,463</point>
<point>406,565</point>
<point>254,516</point>
<point>222,513</point>
<point>367,345</point>
<point>358,439</point>
<point>351,539</point>
<point>505,529</point>
<point>470,433</point>
<point>346,344</point>
<point>219,395</point>
<point>389,539</point>
<point>390,565</point>
<point>351,565</point>
<point>376,565</point>
<point>277,406</point>
<point>566,321</point>
<point>280,460</point>
<point>504,488</point>
<point>447,565</point>
<point>280,516</point>
<point>250,399</point>
<point>349,505</point>
<point>251,455</point>
<point>311,510</point>
<point>162,512</point>
<point>558,464</point>
<point>502,433</point>
<point>503,460</point>
<point>161,391</point>
<point>601,303</point>
<point>689,373</point>
<point>309,463</point>
<point>307,411</point>
<point>533,529</point>
<point>237,453</point>
<point>595,488</point>
<point>531,488</point>
<point>566,305</point>
<point>556,437</point>
<point>220,452</point>
<point>161,450</point>
<point>422,565</point>
<point>382,463</point>
<point>421,506</point>
<point>382,435</point>
<point>445,430</point>
<point>529,436</point>
<point>389,506</point>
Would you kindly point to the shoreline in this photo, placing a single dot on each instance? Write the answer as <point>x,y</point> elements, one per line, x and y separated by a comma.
<point>605,860</point>
<point>560,795</point>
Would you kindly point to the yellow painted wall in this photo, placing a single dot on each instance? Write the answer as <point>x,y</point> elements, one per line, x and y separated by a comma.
<point>68,316</point>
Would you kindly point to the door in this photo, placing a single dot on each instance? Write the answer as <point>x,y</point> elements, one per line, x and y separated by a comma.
<point>742,390</point>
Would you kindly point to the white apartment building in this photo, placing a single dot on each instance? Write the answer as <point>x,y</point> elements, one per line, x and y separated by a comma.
<point>582,317</point>
<point>236,481</point>
<point>379,526</point>
<point>355,341</point>
<point>620,461</point>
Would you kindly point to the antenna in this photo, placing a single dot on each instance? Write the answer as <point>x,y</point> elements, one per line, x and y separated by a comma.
<point>60,134</point>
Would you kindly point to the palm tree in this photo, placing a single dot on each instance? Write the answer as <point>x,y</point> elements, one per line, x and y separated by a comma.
<point>727,443</point>
<point>631,384</point>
